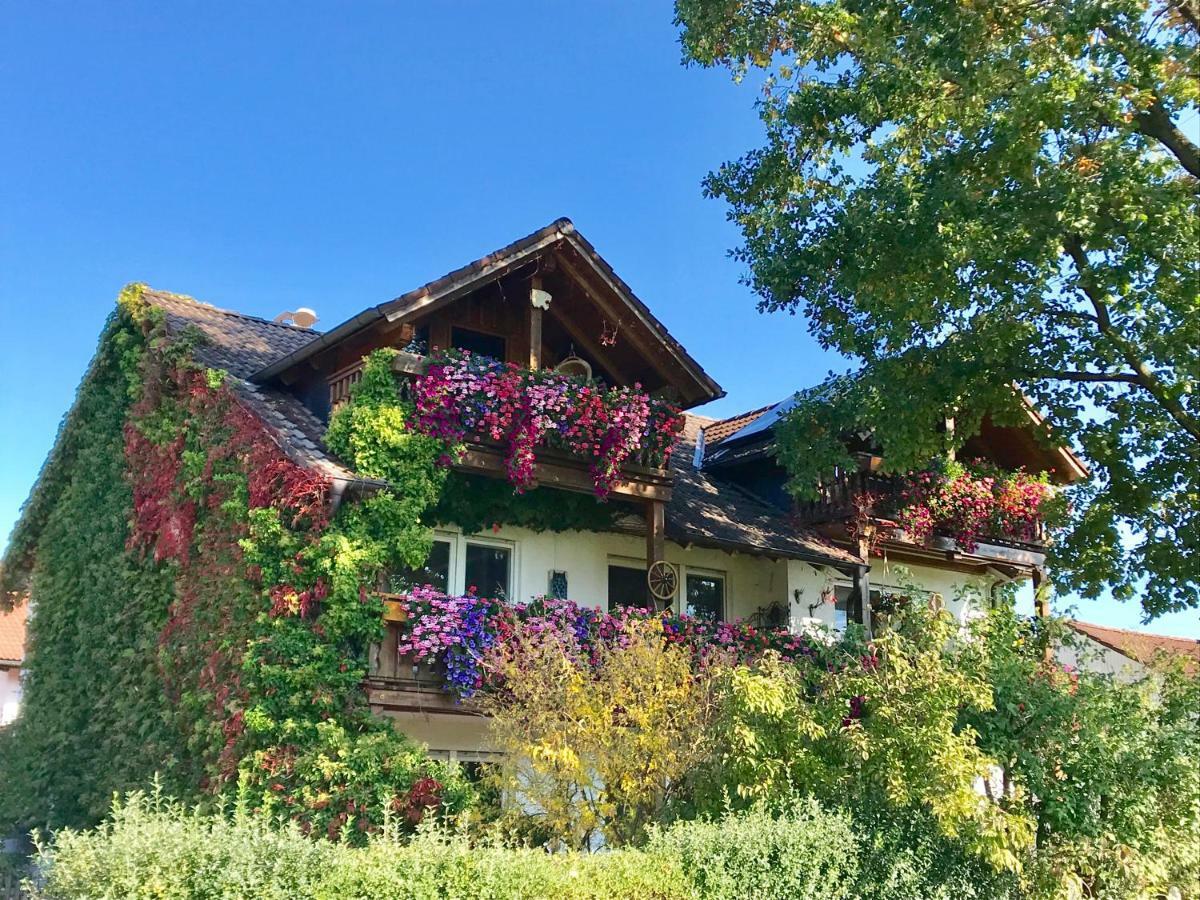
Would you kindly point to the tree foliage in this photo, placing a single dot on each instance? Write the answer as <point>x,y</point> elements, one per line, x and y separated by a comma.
<point>596,748</point>
<point>972,196</point>
<point>876,730</point>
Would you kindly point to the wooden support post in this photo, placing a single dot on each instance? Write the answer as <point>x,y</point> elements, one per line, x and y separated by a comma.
<point>535,327</point>
<point>861,598</point>
<point>1041,608</point>
<point>656,532</point>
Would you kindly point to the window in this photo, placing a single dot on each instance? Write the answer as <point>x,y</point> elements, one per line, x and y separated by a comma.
<point>478,342</point>
<point>435,572</point>
<point>706,596</point>
<point>488,570</point>
<point>627,587</point>
<point>841,606</point>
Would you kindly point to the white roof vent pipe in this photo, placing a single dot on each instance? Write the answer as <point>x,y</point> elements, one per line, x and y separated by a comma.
<point>301,318</point>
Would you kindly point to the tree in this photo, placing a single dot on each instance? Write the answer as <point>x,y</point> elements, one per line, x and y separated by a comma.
<point>980,200</point>
<point>877,732</point>
<point>1107,766</point>
<point>599,747</point>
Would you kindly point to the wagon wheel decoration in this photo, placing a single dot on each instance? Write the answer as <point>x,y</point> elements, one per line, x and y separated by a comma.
<point>663,580</point>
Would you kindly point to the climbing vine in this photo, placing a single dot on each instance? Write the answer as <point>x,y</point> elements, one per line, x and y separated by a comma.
<point>254,604</point>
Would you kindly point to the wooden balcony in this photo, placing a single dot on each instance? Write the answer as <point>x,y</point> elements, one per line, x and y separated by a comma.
<point>554,468</point>
<point>839,500</point>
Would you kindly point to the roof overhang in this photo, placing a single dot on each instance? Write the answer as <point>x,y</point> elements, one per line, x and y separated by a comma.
<point>607,289</point>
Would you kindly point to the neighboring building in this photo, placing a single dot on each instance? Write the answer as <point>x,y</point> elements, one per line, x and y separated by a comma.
<point>1124,653</point>
<point>12,652</point>
<point>737,544</point>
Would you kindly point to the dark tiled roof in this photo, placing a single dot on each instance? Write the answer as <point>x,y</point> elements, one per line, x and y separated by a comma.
<point>709,511</point>
<point>239,344</point>
<point>1139,645</point>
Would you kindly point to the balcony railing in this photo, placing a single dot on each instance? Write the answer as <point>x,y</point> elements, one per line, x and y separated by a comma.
<point>853,493</point>
<point>642,474</point>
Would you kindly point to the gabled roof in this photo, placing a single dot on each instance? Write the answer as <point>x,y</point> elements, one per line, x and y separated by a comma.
<point>459,282</point>
<point>12,634</point>
<point>1139,645</point>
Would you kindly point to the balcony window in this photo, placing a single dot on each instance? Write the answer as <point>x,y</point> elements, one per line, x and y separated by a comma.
<point>478,342</point>
<point>488,570</point>
<point>706,596</point>
<point>435,572</point>
<point>627,587</point>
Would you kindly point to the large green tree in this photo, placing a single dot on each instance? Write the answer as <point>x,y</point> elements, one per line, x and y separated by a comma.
<point>972,195</point>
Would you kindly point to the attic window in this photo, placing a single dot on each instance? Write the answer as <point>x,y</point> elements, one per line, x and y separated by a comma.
<point>478,342</point>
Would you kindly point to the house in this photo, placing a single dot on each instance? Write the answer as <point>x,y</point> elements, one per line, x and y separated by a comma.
<point>714,532</point>
<point>1124,653</point>
<point>12,652</point>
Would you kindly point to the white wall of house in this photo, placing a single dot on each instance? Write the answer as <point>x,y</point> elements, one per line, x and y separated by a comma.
<point>10,693</point>
<point>1092,656</point>
<point>751,582</point>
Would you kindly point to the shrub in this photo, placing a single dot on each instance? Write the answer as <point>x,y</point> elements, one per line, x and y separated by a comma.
<point>150,848</point>
<point>806,854</point>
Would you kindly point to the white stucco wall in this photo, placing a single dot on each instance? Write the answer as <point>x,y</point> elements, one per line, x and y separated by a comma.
<point>1092,656</point>
<point>10,694</point>
<point>751,582</point>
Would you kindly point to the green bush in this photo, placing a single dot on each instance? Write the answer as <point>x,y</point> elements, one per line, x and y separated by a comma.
<point>806,854</point>
<point>150,848</point>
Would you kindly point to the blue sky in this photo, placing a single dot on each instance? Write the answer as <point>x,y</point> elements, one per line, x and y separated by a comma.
<point>267,156</point>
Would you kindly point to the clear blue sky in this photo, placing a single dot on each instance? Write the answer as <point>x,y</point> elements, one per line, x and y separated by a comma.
<point>266,156</point>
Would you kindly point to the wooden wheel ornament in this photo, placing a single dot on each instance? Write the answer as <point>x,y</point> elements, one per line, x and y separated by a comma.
<point>662,580</point>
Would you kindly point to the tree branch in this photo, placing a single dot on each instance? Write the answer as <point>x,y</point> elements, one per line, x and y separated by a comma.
<point>1062,375</point>
<point>1156,123</point>
<point>1145,375</point>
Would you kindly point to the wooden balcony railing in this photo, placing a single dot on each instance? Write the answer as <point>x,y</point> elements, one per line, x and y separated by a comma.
<point>840,497</point>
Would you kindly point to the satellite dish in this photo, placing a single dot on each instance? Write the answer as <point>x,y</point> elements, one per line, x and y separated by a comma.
<point>301,318</point>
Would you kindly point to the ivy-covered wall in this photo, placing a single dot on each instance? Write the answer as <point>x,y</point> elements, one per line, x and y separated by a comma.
<point>200,610</point>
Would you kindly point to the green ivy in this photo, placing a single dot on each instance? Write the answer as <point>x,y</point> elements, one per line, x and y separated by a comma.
<point>197,613</point>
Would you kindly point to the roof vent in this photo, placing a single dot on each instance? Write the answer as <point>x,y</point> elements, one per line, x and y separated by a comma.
<point>301,318</point>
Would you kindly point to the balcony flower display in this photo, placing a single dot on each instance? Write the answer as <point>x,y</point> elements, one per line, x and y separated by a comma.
<point>973,501</point>
<point>464,396</point>
<point>458,633</point>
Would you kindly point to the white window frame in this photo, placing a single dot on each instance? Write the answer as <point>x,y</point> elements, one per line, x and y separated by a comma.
<point>703,572</point>
<point>460,564</point>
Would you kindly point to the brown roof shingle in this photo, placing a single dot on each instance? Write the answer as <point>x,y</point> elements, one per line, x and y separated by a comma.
<point>12,634</point>
<point>708,510</point>
<point>723,428</point>
<point>1140,645</point>
<point>239,344</point>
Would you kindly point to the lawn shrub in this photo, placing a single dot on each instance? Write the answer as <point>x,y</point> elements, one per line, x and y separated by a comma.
<point>806,854</point>
<point>151,848</point>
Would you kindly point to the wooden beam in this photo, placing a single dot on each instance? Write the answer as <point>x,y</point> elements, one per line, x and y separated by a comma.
<point>565,475</point>
<point>535,326</point>
<point>656,532</point>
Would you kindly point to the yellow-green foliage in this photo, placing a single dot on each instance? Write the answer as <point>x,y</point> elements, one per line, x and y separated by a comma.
<point>153,850</point>
<point>882,728</point>
<point>598,750</point>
